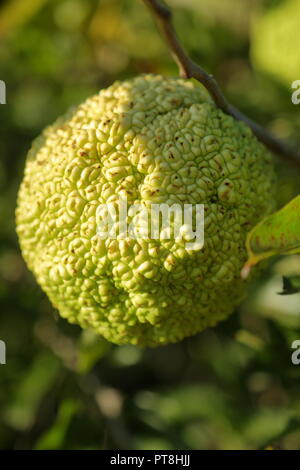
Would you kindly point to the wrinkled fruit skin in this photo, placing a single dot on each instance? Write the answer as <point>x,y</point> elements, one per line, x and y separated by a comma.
<point>275,42</point>
<point>152,139</point>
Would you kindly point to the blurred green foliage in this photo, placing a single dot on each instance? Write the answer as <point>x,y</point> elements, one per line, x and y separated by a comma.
<point>232,387</point>
<point>273,41</point>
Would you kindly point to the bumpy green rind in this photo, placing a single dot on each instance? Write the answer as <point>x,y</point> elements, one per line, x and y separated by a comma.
<point>275,42</point>
<point>152,139</point>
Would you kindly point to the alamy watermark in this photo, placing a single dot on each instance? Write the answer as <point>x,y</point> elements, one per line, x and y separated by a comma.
<point>2,92</point>
<point>117,220</point>
<point>2,343</point>
<point>2,352</point>
<point>296,93</point>
<point>296,354</point>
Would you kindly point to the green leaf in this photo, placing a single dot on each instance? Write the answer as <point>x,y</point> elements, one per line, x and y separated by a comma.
<point>54,437</point>
<point>15,13</point>
<point>293,424</point>
<point>38,379</point>
<point>277,234</point>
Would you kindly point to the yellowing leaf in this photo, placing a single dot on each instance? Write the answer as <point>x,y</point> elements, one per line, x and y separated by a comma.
<point>17,12</point>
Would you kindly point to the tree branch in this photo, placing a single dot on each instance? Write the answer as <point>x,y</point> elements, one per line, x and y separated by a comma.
<point>189,69</point>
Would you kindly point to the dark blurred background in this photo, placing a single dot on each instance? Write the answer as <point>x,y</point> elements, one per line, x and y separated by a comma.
<point>232,387</point>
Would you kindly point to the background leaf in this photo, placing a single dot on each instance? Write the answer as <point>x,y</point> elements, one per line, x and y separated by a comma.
<point>277,234</point>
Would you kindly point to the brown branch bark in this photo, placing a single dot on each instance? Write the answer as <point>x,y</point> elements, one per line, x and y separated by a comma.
<point>189,69</point>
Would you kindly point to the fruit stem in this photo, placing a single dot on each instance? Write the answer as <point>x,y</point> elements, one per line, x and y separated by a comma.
<point>189,69</point>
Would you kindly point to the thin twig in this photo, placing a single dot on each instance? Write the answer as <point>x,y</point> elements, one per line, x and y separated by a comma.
<point>189,69</point>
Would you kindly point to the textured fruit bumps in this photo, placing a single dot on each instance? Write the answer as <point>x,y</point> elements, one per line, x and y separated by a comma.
<point>153,140</point>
